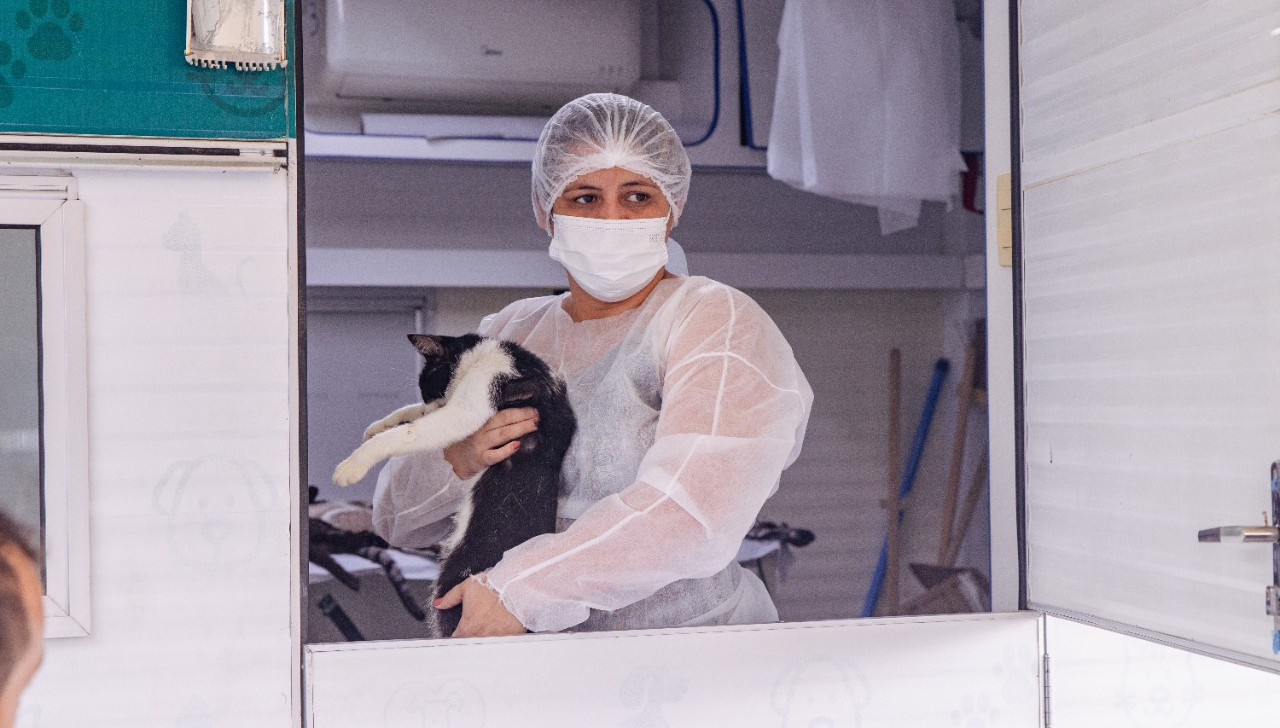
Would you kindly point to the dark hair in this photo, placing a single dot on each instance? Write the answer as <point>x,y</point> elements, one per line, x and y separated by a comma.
<point>15,629</point>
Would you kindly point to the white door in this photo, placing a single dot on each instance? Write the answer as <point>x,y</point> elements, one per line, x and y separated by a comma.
<point>1150,181</point>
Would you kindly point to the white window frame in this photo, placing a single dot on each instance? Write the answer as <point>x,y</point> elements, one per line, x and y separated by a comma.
<point>50,204</point>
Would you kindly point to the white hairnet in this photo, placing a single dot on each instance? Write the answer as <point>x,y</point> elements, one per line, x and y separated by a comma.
<point>600,131</point>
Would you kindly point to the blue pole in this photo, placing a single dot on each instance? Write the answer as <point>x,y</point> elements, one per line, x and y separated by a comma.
<point>908,478</point>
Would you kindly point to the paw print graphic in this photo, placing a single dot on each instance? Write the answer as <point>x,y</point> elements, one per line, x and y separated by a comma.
<point>975,712</point>
<point>49,22</point>
<point>647,690</point>
<point>17,69</point>
<point>49,26</point>
<point>1017,674</point>
<point>1159,687</point>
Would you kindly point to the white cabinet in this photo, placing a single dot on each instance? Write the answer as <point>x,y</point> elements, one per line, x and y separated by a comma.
<point>905,673</point>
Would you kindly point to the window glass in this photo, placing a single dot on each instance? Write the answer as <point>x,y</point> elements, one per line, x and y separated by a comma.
<point>20,462</point>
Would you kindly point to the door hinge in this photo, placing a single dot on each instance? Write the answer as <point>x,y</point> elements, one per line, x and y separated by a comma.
<point>1048,693</point>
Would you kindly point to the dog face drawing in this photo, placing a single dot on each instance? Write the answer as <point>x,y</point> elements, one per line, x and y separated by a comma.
<point>451,704</point>
<point>821,692</point>
<point>1159,686</point>
<point>217,510</point>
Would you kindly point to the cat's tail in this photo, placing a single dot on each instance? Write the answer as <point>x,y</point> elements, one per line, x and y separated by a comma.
<point>382,557</point>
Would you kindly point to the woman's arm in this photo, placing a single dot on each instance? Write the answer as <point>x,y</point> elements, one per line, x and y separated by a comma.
<point>414,499</point>
<point>734,408</point>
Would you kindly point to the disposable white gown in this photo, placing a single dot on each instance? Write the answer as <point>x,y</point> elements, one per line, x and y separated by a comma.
<point>689,407</point>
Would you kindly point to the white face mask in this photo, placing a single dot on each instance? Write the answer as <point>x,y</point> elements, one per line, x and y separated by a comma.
<point>610,259</point>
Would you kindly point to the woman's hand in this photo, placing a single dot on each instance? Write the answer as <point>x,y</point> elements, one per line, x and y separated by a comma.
<point>495,441</point>
<point>482,612</point>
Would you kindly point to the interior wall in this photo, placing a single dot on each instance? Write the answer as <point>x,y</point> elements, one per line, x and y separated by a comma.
<point>360,367</point>
<point>459,310</point>
<point>188,299</point>
<point>842,340</point>
<point>456,206</point>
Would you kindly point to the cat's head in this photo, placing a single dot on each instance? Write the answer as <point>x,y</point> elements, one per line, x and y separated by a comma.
<point>440,361</point>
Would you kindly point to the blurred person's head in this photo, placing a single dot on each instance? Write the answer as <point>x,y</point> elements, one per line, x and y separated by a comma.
<point>21,617</point>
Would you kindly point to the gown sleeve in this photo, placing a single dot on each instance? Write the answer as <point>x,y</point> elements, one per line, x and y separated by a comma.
<point>415,498</point>
<point>734,409</point>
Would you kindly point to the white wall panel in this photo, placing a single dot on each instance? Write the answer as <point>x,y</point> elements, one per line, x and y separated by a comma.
<point>998,160</point>
<point>188,279</point>
<point>896,672</point>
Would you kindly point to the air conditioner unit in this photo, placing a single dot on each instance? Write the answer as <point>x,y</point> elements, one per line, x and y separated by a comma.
<point>506,55</point>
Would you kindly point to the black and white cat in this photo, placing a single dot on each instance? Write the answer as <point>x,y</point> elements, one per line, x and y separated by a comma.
<point>464,381</point>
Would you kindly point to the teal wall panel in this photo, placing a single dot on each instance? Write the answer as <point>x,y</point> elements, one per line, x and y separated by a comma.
<point>116,67</point>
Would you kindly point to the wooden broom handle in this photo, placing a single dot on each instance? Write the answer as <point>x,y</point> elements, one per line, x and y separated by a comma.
<point>891,597</point>
<point>964,399</point>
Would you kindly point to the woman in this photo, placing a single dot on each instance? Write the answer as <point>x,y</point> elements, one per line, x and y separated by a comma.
<point>688,399</point>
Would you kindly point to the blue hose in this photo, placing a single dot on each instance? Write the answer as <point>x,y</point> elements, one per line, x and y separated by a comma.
<point>744,87</point>
<point>715,76</point>
<point>908,479</point>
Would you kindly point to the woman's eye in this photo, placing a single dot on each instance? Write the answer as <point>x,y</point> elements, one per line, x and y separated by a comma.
<point>586,199</point>
<point>639,197</point>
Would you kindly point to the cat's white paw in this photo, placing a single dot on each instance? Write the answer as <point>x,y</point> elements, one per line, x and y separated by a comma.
<point>349,472</point>
<point>402,416</point>
<point>379,427</point>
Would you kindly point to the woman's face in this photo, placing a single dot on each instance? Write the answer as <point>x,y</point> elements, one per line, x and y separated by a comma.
<point>613,194</point>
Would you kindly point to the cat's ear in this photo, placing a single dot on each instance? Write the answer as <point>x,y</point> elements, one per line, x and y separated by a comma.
<point>427,345</point>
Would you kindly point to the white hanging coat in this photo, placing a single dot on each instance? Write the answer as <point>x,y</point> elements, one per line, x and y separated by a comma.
<point>867,105</point>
